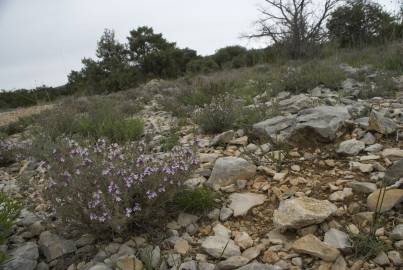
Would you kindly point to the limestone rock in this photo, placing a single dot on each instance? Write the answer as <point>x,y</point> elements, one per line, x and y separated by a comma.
<point>276,128</point>
<point>53,246</point>
<point>320,123</point>
<point>220,230</point>
<point>182,247</point>
<point>232,263</point>
<point>297,213</point>
<point>242,202</point>
<point>222,138</point>
<point>394,173</point>
<point>243,240</point>
<point>380,123</point>
<point>228,170</point>
<point>338,239</point>
<point>189,265</point>
<point>24,257</point>
<point>217,246</point>
<point>341,195</point>
<point>397,233</point>
<point>392,197</point>
<point>393,153</point>
<point>311,245</point>
<point>185,219</point>
<point>350,147</point>
<point>259,266</point>
<point>252,252</point>
<point>226,213</point>
<point>362,187</point>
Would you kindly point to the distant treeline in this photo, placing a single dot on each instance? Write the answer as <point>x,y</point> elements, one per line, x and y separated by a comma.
<point>30,97</point>
<point>147,55</point>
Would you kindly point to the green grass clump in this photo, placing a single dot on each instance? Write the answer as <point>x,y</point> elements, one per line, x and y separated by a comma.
<point>199,200</point>
<point>169,142</point>
<point>121,130</point>
<point>9,211</point>
<point>308,76</point>
<point>367,246</point>
<point>92,119</point>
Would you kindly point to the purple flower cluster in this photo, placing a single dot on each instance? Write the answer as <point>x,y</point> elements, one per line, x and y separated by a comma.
<point>111,184</point>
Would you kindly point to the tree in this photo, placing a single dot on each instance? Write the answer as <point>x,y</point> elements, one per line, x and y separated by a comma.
<point>155,56</point>
<point>109,73</point>
<point>225,57</point>
<point>361,22</point>
<point>293,24</point>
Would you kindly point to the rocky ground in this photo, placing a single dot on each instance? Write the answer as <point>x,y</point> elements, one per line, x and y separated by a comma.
<point>300,217</point>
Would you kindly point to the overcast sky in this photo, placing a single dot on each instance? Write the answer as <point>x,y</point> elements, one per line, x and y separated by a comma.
<point>41,41</point>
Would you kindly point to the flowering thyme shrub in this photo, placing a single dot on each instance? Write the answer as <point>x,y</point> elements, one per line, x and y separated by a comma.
<point>108,187</point>
<point>9,210</point>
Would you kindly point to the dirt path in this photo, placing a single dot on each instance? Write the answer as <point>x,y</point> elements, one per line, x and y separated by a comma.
<point>13,116</point>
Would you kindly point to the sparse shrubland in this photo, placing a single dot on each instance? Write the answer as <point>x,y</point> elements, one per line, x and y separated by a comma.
<point>111,162</point>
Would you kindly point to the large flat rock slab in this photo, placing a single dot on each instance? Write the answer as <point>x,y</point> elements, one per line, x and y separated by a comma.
<point>241,203</point>
<point>297,213</point>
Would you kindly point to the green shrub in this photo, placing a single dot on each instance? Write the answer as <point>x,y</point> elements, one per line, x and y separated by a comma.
<point>199,200</point>
<point>9,211</point>
<point>115,130</point>
<point>195,97</point>
<point>170,141</point>
<point>308,76</point>
<point>218,116</point>
<point>393,59</point>
<point>107,187</point>
<point>203,65</point>
<point>380,86</point>
<point>100,118</point>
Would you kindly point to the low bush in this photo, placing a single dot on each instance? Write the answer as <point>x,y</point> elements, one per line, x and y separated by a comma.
<point>121,130</point>
<point>197,201</point>
<point>308,76</point>
<point>218,116</point>
<point>9,211</point>
<point>203,65</point>
<point>95,118</point>
<point>113,188</point>
<point>380,86</point>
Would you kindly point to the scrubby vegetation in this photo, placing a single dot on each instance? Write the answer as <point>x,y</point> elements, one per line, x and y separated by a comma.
<point>92,118</point>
